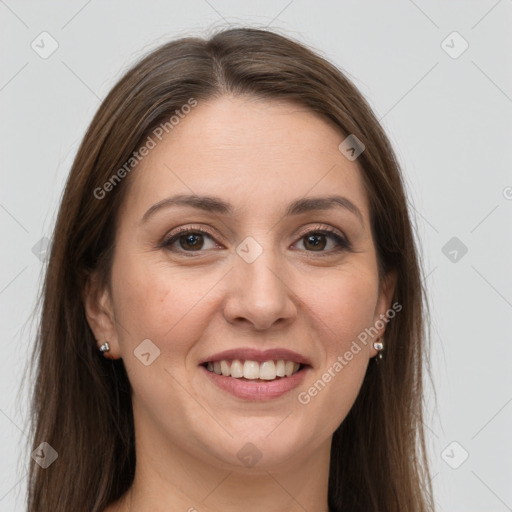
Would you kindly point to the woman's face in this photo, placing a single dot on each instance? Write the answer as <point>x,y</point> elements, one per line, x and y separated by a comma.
<point>251,271</point>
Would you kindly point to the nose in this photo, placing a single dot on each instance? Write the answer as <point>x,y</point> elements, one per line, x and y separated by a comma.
<point>258,294</point>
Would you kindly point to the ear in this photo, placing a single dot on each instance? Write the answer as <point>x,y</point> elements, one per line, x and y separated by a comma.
<point>381,317</point>
<point>99,312</point>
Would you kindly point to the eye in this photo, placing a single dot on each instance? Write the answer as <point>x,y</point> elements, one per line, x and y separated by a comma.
<point>318,239</point>
<point>189,240</point>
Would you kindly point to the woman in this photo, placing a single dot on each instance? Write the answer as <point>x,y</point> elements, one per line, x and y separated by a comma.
<point>233,314</point>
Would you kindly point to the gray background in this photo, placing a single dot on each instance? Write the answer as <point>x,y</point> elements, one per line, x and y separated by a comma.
<point>448,116</point>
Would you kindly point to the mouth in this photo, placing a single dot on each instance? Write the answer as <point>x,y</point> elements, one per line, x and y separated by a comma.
<point>258,377</point>
<point>254,374</point>
<point>254,371</point>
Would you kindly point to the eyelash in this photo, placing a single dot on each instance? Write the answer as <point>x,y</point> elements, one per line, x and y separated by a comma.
<point>342,243</point>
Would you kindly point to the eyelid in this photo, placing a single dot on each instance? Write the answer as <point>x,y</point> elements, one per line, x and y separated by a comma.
<point>322,227</point>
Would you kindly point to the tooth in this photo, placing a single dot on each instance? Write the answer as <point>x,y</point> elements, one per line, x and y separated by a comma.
<point>280,368</point>
<point>224,368</point>
<point>251,370</point>
<point>236,370</point>
<point>268,370</point>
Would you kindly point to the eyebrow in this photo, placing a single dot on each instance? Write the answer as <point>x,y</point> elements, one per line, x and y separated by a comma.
<point>221,207</point>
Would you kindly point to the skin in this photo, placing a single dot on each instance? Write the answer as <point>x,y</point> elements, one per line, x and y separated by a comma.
<point>258,155</point>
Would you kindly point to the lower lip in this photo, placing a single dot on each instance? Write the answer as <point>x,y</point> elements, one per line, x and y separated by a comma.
<point>257,390</point>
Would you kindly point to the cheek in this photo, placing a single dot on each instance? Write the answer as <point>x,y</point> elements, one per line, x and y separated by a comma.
<point>172,309</point>
<point>168,307</point>
<point>341,314</point>
<point>345,306</point>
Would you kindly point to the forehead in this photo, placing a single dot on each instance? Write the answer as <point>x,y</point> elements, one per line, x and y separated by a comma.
<point>256,154</point>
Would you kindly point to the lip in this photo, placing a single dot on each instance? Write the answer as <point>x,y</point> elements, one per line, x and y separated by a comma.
<point>257,390</point>
<point>252,354</point>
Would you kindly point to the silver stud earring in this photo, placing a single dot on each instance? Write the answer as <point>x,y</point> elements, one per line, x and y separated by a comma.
<point>105,347</point>
<point>379,346</point>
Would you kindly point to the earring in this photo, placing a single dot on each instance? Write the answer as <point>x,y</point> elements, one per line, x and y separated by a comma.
<point>105,347</point>
<point>379,346</point>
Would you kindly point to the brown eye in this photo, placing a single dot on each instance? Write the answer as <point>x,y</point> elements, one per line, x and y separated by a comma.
<point>318,241</point>
<point>193,241</point>
<point>315,242</point>
<point>189,240</point>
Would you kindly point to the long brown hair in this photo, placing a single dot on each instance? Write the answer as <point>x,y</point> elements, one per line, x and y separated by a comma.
<point>81,403</point>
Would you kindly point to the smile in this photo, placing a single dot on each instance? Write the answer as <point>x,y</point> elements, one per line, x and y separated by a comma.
<point>263,381</point>
<point>253,370</point>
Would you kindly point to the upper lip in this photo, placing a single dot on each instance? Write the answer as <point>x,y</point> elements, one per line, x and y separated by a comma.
<point>253,354</point>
